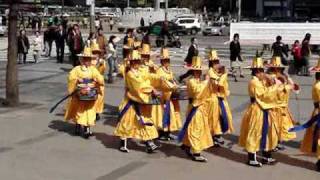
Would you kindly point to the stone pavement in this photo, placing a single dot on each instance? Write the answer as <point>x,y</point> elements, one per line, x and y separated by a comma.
<point>36,145</point>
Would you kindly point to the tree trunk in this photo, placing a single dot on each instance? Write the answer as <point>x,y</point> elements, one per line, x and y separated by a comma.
<point>12,84</point>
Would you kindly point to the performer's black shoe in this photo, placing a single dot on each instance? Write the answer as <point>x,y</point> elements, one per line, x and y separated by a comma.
<point>123,146</point>
<point>318,165</point>
<point>252,160</point>
<point>77,130</point>
<point>280,147</point>
<point>98,117</point>
<point>186,149</point>
<point>267,158</point>
<point>241,76</point>
<point>151,147</point>
<point>218,140</point>
<point>199,158</point>
<point>86,132</point>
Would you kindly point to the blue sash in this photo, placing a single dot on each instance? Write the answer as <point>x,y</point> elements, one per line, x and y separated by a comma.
<point>265,129</point>
<point>166,116</point>
<point>137,110</point>
<point>223,116</point>
<point>186,123</point>
<point>124,110</point>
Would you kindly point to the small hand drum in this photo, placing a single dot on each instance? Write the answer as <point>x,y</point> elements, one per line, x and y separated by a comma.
<point>87,92</point>
<point>180,94</point>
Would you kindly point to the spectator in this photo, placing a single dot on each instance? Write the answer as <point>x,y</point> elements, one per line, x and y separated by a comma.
<point>142,22</point>
<point>192,51</point>
<point>279,50</point>
<point>91,38</point>
<point>61,37</point>
<point>112,58</point>
<point>102,41</point>
<point>296,52</point>
<point>97,23</point>
<point>305,54</point>
<point>235,56</point>
<point>111,23</point>
<point>51,33</point>
<point>126,49</point>
<point>23,47</point>
<point>36,44</point>
<point>150,21</point>
<point>76,44</point>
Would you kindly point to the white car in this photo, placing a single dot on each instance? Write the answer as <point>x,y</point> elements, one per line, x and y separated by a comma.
<point>191,24</point>
<point>3,30</point>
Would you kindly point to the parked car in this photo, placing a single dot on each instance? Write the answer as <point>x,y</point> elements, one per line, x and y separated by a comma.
<point>191,24</point>
<point>3,30</point>
<point>216,29</point>
<point>157,26</point>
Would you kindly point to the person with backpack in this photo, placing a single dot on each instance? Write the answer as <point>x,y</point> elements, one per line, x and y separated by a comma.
<point>279,50</point>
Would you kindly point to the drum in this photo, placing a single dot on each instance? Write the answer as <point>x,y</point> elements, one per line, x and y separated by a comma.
<point>87,91</point>
<point>180,94</point>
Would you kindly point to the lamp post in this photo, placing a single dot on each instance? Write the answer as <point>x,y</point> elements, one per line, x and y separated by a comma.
<point>239,10</point>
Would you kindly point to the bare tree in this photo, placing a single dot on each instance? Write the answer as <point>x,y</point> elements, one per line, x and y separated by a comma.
<point>12,84</point>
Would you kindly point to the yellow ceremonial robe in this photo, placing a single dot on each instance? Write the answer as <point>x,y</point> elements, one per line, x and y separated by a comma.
<point>197,135</point>
<point>138,89</point>
<point>220,90</point>
<point>263,98</point>
<point>82,112</point>
<point>101,67</point>
<point>307,142</point>
<point>165,87</point>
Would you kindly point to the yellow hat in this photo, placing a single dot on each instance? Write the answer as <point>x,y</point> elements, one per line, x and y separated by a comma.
<point>213,55</point>
<point>129,44</point>
<point>137,44</point>
<point>276,62</point>
<point>315,68</point>
<point>95,47</point>
<point>145,49</point>
<point>196,64</point>
<point>87,53</point>
<point>257,63</point>
<point>164,53</point>
<point>135,56</point>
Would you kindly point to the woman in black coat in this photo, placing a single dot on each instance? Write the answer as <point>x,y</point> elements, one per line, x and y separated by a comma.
<point>23,46</point>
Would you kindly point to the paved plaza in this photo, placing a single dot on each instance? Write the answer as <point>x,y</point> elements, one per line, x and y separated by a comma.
<point>36,145</point>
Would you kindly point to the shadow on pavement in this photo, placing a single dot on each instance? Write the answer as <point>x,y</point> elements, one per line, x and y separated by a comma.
<point>171,149</point>
<point>229,154</point>
<point>110,115</point>
<point>62,126</point>
<point>285,159</point>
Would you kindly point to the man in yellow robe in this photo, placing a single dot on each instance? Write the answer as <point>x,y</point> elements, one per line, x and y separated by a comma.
<point>195,133</point>
<point>220,117</point>
<point>100,64</point>
<point>83,82</point>
<point>135,118</point>
<point>169,109</point>
<point>258,128</point>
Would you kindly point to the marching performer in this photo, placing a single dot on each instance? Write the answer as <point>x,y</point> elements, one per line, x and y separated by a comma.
<point>100,64</point>
<point>195,133</point>
<point>284,117</point>
<point>170,120</point>
<point>220,117</point>
<point>258,128</point>
<point>311,141</point>
<point>135,110</point>
<point>83,82</point>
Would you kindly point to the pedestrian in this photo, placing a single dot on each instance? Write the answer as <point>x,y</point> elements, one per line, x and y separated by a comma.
<point>297,59</point>
<point>219,112</point>
<point>112,58</point>
<point>192,51</point>
<point>306,54</point>
<point>61,37</point>
<point>169,109</point>
<point>127,42</point>
<point>83,81</point>
<point>97,23</point>
<point>111,23</point>
<point>36,44</point>
<point>311,141</point>
<point>142,22</point>
<point>235,56</point>
<point>279,50</point>
<point>91,39</point>
<point>135,118</point>
<point>258,128</point>
<point>195,133</point>
<point>102,41</point>
<point>150,21</point>
<point>50,38</point>
<point>23,47</point>
<point>76,44</point>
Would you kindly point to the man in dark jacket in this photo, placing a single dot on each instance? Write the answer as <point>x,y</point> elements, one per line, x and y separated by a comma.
<point>61,37</point>
<point>279,50</point>
<point>23,47</point>
<point>75,43</point>
<point>235,56</point>
<point>192,51</point>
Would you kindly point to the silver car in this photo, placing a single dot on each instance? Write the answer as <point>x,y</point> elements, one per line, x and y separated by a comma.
<point>216,30</point>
